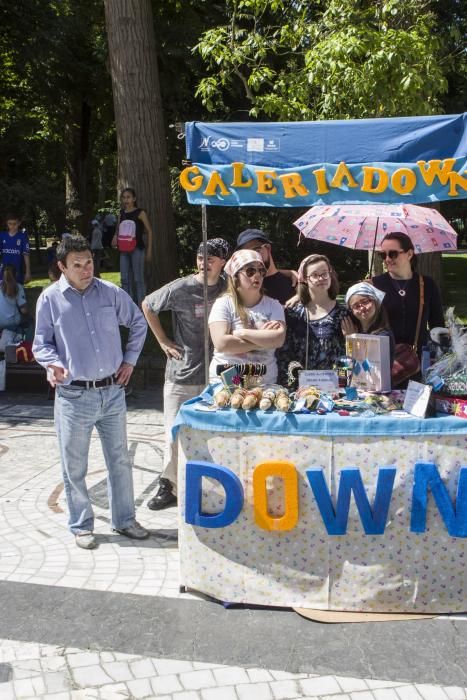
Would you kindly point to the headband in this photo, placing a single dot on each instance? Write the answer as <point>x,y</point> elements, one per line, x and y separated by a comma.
<point>217,247</point>
<point>303,264</point>
<point>365,289</point>
<point>241,258</point>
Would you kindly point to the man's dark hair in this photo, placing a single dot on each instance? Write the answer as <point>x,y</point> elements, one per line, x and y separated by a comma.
<point>72,244</point>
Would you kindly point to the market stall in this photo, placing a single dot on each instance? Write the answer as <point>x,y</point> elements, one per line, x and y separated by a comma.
<point>267,516</point>
<point>363,510</point>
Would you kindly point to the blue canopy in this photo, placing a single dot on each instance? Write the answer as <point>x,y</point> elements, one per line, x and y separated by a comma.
<point>409,159</point>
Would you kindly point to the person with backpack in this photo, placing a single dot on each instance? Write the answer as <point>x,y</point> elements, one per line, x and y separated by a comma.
<point>133,223</point>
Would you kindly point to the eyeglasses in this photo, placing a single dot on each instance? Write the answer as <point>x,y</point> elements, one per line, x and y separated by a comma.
<point>257,248</point>
<point>391,254</point>
<point>252,271</point>
<point>316,276</point>
<point>364,304</point>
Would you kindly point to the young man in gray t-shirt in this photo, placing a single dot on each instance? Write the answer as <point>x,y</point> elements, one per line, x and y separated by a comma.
<point>184,372</point>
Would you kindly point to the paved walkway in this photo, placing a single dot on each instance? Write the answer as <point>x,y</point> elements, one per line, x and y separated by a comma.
<point>112,623</point>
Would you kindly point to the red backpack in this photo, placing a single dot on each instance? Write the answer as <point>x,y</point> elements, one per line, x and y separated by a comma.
<point>126,237</point>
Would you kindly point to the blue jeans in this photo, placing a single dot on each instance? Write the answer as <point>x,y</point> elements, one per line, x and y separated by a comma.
<point>132,274</point>
<point>77,412</point>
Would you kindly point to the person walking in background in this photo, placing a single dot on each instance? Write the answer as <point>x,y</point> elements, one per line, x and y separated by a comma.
<point>133,223</point>
<point>401,284</point>
<point>78,342</point>
<point>108,229</point>
<point>96,246</point>
<point>184,372</point>
<point>14,249</point>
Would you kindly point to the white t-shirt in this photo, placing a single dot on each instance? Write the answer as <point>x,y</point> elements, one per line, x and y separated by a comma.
<point>267,310</point>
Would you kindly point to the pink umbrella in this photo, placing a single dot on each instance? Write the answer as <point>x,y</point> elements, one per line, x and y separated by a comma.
<point>363,226</point>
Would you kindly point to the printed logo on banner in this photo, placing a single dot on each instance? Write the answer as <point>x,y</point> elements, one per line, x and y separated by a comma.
<point>256,145</point>
<point>272,145</point>
<point>221,144</point>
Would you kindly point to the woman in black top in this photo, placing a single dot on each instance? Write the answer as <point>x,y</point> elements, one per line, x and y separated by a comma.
<point>132,262</point>
<point>401,284</point>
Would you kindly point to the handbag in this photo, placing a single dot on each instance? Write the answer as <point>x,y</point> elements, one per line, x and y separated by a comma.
<point>406,360</point>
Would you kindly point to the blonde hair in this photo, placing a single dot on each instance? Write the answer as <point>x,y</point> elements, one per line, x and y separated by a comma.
<point>240,309</point>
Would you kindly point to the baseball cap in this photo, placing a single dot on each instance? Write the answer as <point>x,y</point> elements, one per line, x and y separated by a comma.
<point>251,234</point>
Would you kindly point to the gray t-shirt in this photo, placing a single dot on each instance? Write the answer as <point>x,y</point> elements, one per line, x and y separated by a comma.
<point>184,298</point>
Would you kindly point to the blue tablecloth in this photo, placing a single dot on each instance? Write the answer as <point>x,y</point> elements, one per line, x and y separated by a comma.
<point>276,422</point>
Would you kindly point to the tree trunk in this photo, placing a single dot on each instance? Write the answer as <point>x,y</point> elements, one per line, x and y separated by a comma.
<point>78,176</point>
<point>142,153</point>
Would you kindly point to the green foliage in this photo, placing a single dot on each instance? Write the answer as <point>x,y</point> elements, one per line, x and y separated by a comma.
<point>325,60</point>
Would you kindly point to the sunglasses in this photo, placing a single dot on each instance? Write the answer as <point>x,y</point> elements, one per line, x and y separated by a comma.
<point>391,254</point>
<point>252,271</point>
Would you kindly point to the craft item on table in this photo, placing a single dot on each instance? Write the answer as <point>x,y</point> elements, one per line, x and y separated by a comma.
<point>351,393</point>
<point>236,400</point>
<point>282,401</point>
<point>380,403</point>
<point>371,358</point>
<point>244,374</point>
<point>436,382</point>
<point>455,405</point>
<point>292,373</point>
<point>308,396</point>
<point>343,367</point>
<point>252,398</point>
<point>325,404</point>
<point>352,406</point>
<point>417,399</point>
<point>452,366</point>
<point>267,400</point>
<point>222,398</point>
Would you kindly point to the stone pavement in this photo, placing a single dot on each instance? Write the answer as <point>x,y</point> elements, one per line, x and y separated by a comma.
<point>112,623</point>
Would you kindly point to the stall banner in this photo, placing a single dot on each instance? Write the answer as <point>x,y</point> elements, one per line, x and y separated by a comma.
<point>300,164</point>
<point>359,523</point>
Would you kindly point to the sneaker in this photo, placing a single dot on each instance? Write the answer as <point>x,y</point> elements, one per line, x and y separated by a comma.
<point>135,531</point>
<point>164,497</point>
<point>86,540</point>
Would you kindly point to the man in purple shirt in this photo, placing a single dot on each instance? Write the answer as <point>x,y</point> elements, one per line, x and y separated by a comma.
<point>78,341</point>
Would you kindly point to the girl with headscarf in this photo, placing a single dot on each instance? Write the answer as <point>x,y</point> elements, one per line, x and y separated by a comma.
<point>314,337</point>
<point>365,303</point>
<point>246,326</point>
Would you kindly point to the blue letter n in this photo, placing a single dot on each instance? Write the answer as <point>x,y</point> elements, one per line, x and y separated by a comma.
<point>373,519</point>
<point>455,518</point>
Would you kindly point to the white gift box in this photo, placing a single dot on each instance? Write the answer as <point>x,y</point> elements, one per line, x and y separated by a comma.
<point>372,363</point>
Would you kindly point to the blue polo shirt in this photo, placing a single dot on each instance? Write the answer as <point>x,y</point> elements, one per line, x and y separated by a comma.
<point>12,249</point>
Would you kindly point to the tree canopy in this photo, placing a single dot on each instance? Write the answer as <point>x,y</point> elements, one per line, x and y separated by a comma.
<point>235,60</point>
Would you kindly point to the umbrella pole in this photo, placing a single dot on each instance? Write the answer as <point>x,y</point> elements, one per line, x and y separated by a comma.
<point>204,226</point>
<point>373,251</point>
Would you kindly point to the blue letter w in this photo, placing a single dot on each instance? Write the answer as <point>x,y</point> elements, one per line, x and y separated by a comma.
<point>373,519</point>
<point>427,476</point>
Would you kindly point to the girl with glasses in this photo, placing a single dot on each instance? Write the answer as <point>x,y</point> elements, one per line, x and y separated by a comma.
<point>368,315</point>
<point>314,335</point>
<point>401,285</point>
<point>245,325</point>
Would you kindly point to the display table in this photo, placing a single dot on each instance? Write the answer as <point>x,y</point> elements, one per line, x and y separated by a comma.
<point>278,534</point>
